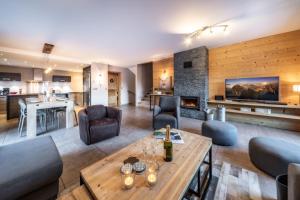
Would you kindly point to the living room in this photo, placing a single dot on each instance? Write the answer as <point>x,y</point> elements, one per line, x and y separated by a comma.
<point>150,100</point>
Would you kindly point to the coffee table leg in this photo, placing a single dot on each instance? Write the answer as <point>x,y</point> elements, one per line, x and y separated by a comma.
<point>203,184</point>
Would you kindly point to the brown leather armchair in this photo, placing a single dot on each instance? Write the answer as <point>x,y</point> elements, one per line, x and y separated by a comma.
<point>98,123</point>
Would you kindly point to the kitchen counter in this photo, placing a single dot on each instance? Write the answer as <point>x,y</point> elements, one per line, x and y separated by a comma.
<point>14,95</point>
<point>33,107</point>
<point>12,106</point>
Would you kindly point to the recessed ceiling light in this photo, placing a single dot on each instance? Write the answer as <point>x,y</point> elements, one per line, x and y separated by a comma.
<point>5,59</point>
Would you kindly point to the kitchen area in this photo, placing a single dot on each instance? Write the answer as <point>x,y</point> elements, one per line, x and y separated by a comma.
<point>45,89</point>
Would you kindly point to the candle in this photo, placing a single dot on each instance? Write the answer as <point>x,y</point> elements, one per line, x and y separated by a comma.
<point>151,179</point>
<point>128,182</point>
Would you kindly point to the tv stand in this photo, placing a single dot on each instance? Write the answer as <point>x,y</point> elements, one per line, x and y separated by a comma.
<point>262,102</point>
<point>280,116</point>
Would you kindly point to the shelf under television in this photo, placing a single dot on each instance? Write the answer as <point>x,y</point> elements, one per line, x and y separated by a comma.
<point>253,104</point>
<point>272,115</point>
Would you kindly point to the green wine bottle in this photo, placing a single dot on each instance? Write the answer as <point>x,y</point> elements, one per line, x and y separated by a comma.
<point>168,146</point>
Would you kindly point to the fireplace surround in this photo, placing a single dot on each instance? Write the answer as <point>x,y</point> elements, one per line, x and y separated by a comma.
<point>192,81</point>
<point>190,102</point>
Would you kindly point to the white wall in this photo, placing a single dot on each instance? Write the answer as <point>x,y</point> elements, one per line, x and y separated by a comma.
<point>133,69</point>
<point>127,86</point>
<point>99,84</point>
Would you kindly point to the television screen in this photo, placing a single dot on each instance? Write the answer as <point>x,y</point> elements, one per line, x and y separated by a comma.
<point>260,88</point>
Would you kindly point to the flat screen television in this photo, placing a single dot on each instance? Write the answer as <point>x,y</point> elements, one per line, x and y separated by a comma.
<point>253,89</point>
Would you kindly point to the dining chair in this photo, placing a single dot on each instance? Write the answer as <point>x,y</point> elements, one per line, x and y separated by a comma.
<point>41,114</point>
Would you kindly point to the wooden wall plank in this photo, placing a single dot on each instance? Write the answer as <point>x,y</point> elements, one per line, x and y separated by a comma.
<point>277,55</point>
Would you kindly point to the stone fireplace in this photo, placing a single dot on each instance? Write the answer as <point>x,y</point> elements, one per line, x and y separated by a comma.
<point>191,81</point>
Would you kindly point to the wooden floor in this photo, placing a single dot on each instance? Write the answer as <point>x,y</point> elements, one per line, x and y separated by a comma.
<point>136,123</point>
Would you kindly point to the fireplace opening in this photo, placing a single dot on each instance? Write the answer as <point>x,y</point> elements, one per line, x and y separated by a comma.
<point>189,102</point>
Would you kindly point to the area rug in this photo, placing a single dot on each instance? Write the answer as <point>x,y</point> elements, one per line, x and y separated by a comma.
<point>231,182</point>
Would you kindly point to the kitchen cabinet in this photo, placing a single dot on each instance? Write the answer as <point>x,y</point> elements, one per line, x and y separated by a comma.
<point>2,104</point>
<point>56,78</point>
<point>12,105</point>
<point>6,76</point>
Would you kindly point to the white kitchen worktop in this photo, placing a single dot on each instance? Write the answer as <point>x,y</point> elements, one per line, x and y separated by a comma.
<point>33,107</point>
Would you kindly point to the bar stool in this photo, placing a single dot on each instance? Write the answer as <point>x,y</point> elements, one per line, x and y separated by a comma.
<point>58,113</point>
<point>41,114</point>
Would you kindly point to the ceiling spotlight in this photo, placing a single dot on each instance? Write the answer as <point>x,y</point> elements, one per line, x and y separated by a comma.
<point>220,28</point>
<point>188,40</point>
<point>5,59</point>
<point>48,70</point>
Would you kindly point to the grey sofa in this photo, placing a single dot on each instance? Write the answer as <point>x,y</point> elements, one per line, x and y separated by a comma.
<point>293,181</point>
<point>99,122</point>
<point>167,113</point>
<point>273,155</point>
<point>30,170</point>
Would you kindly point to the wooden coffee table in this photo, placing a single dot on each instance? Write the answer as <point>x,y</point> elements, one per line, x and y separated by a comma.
<point>103,180</point>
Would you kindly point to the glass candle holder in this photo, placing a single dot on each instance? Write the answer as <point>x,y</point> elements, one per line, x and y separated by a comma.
<point>151,177</point>
<point>127,181</point>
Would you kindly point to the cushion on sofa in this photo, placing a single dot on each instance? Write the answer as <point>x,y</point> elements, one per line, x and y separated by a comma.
<point>28,166</point>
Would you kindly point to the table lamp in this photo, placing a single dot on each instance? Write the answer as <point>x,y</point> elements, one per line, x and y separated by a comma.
<point>296,88</point>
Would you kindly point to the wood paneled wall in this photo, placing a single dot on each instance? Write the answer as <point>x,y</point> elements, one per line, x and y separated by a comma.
<point>158,69</point>
<point>277,55</point>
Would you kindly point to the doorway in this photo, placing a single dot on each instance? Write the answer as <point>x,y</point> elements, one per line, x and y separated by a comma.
<point>114,89</point>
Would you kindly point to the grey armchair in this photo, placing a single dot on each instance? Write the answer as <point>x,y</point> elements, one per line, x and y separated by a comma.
<point>98,123</point>
<point>168,112</point>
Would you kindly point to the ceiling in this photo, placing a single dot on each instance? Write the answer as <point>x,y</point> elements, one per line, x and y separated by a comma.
<point>127,32</point>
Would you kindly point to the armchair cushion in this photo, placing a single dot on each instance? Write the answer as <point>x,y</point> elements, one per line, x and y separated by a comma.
<point>103,128</point>
<point>96,112</point>
<point>163,119</point>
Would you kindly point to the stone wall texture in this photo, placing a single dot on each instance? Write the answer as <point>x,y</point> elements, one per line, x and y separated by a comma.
<point>192,81</point>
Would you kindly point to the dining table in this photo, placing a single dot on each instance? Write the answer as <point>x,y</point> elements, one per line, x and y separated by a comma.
<point>35,104</point>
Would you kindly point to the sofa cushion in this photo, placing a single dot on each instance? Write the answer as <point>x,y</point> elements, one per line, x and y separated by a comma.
<point>102,129</point>
<point>28,166</point>
<point>96,112</point>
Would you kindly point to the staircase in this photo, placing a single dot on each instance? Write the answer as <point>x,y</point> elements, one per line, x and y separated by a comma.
<point>145,102</point>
